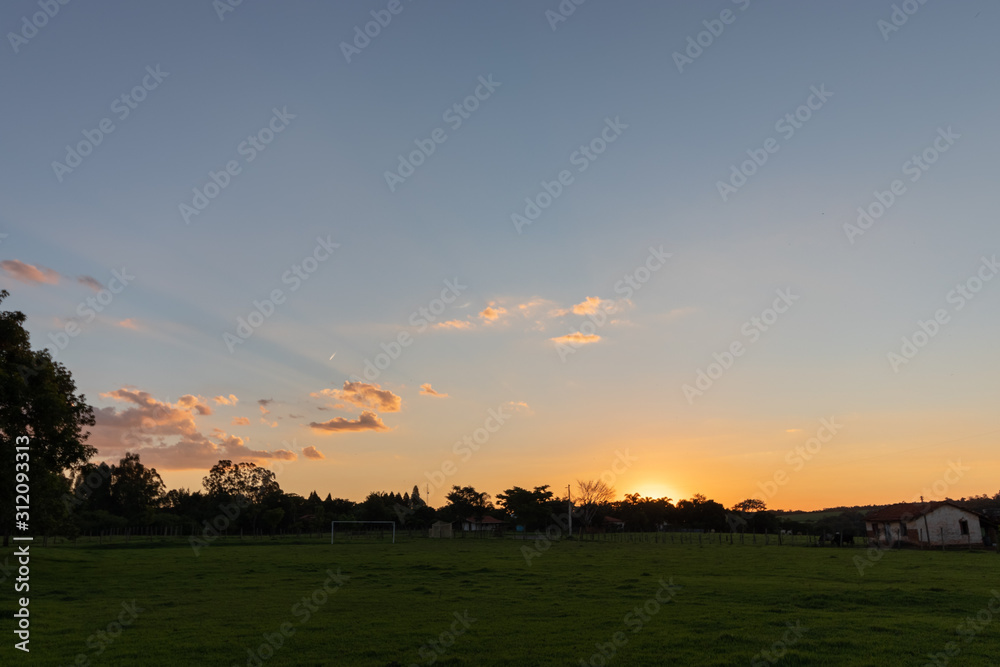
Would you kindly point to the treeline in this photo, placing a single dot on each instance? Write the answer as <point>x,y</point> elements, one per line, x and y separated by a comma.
<point>244,498</point>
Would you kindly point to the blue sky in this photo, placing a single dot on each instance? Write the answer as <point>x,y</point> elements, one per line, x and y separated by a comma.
<point>575,402</point>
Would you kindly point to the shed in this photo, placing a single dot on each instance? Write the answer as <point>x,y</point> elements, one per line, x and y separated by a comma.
<point>440,529</point>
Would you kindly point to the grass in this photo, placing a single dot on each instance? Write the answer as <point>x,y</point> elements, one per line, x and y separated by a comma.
<point>730,602</point>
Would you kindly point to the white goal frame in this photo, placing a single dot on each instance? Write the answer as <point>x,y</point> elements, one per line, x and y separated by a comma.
<point>333,528</point>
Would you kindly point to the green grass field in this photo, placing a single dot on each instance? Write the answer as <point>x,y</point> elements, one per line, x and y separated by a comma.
<point>730,602</point>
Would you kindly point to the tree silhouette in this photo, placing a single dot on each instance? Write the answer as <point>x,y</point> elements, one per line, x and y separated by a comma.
<point>39,407</point>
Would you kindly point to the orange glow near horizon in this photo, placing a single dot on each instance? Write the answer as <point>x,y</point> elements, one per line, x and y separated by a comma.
<point>654,490</point>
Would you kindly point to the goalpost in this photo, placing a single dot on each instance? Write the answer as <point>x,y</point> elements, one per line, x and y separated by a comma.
<point>333,527</point>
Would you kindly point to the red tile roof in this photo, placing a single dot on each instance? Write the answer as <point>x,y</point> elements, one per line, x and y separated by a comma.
<point>909,510</point>
<point>485,519</point>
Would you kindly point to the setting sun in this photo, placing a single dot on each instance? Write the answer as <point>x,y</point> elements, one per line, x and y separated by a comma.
<point>654,490</point>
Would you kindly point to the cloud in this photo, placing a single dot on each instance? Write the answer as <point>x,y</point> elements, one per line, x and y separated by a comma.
<point>368,421</point>
<point>427,390</point>
<point>679,312</point>
<point>29,273</point>
<point>312,453</point>
<point>267,423</point>
<point>263,410</point>
<point>492,312</point>
<point>454,324</point>
<point>90,282</point>
<point>166,435</point>
<point>291,416</point>
<point>364,395</point>
<point>587,306</point>
<point>196,403</point>
<point>241,421</point>
<point>129,324</point>
<point>226,400</point>
<point>520,406</point>
<point>528,307</point>
<point>576,338</point>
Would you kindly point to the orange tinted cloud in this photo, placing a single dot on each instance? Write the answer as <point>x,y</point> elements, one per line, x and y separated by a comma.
<point>196,403</point>
<point>226,400</point>
<point>577,338</point>
<point>368,421</point>
<point>427,390</point>
<point>166,435</point>
<point>29,273</point>
<point>453,324</point>
<point>492,312</point>
<point>364,395</point>
<point>587,306</point>
<point>311,452</point>
<point>129,324</point>
<point>241,421</point>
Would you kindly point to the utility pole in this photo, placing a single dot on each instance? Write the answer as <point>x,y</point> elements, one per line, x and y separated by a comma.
<point>569,510</point>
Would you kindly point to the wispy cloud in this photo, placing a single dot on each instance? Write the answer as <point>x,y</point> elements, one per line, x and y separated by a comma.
<point>427,390</point>
<point>587,306</point>
<point>577,338</point>
<point>368,421</point>
<point>29,273</point>
<point>90,282</point>
<point>454,324</point>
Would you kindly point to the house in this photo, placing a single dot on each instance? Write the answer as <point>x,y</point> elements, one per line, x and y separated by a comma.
<point>614,525</point>
<point>934,524</point>
<point>487,523</point>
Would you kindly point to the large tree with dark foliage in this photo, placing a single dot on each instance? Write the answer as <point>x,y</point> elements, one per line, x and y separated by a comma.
<point>530,509</point>
<point>38,405</point>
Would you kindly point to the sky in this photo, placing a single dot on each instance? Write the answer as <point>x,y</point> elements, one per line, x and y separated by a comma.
<point>742,249</point>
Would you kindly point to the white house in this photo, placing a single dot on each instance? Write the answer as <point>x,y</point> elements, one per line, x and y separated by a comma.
<point>487,523</point>
<point>929,524</point>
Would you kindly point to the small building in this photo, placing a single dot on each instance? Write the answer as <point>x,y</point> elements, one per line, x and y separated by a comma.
<point>932,524</point>
<point>487,523</point>
<point>613,525</point>
<point>440,529</point>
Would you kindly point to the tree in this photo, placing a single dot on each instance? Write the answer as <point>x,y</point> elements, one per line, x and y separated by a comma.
<point>135,489</point>
<point>252,486</point>
<point>643,513</point>
<point>750,505</point>
<point>528,508</point>
<point>415,499</point>
<point>39,408</point>
<point>592,496</point>
<point>464,502</point>
<point>701,513</point>
<point>750,508</point>
<point>227,480</point>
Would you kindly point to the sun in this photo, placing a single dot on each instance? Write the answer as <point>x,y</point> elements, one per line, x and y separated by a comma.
<point>654,490</point>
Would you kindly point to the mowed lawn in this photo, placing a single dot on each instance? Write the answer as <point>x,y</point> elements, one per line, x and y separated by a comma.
<point>730,602</point>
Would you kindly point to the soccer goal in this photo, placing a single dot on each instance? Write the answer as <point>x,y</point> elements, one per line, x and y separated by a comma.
<point>362,530</point>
